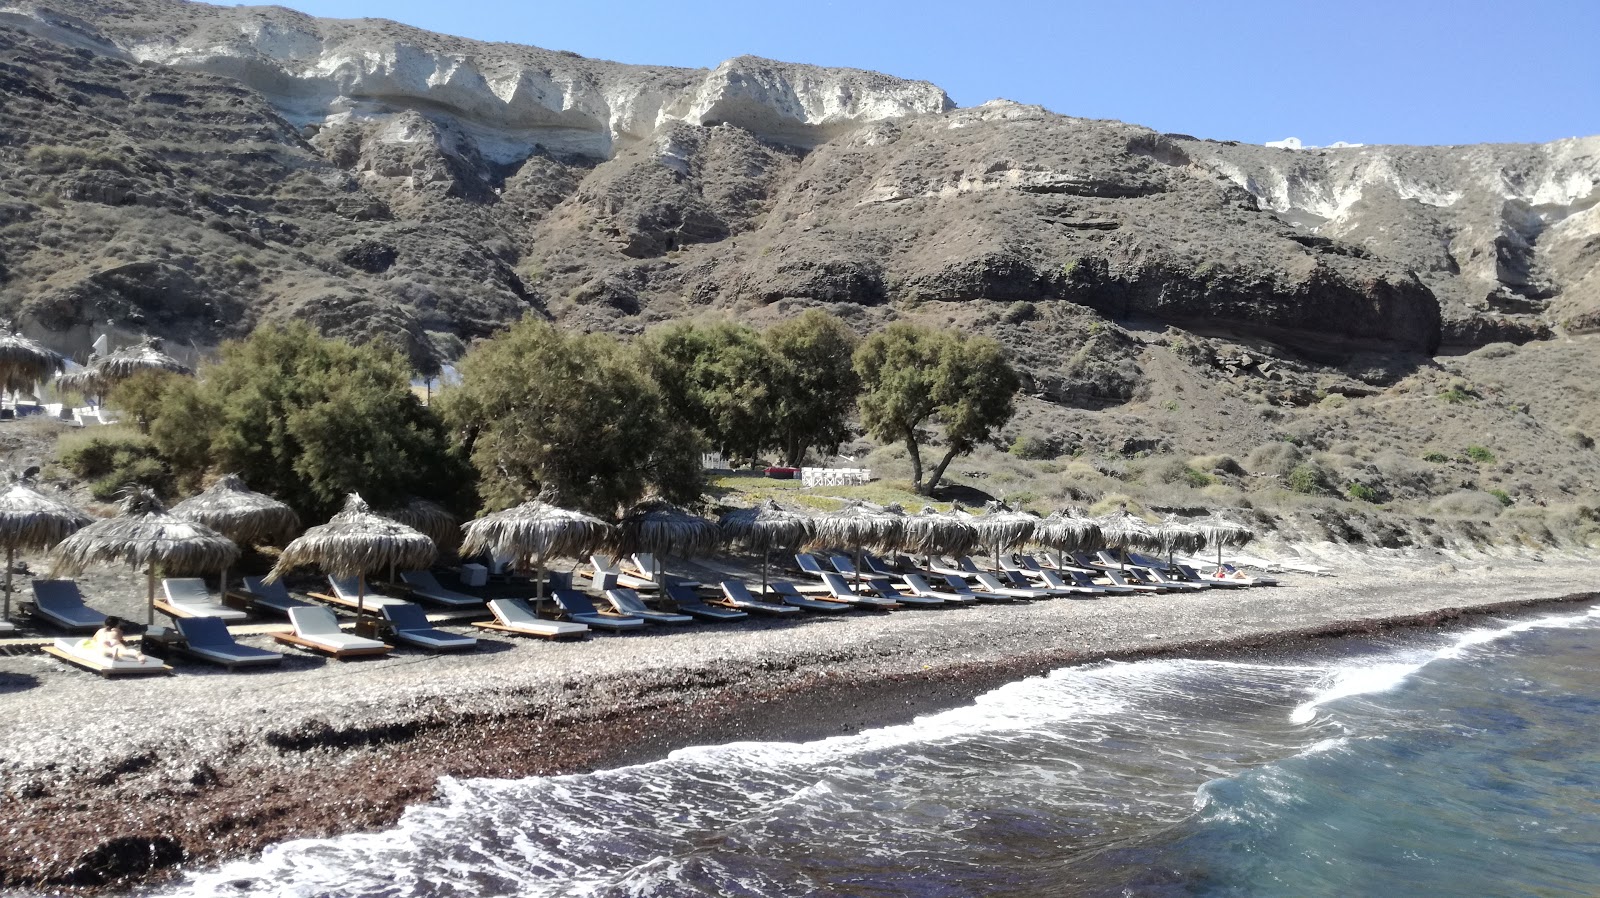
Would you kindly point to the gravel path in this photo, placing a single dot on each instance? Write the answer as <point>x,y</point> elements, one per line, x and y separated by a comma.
<point>219,764</point>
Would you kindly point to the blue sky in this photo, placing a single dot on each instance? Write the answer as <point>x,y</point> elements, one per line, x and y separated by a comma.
<point>1403,71</point>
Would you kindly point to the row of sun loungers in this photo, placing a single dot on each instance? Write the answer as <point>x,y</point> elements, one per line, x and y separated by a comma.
<point>201,620</point>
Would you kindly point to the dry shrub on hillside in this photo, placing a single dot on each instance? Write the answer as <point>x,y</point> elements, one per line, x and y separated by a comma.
<point>1473,504</point>
<point>1277,459</point>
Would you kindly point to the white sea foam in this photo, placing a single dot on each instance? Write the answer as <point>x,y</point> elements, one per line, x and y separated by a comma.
<point>1381,676</point>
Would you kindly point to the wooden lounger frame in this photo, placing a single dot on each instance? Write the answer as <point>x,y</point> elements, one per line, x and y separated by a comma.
<point>292,639</point>
<point>517,631</point>
<point>107,672</point>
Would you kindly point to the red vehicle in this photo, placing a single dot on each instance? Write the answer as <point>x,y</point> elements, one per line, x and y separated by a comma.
<point>783,473</point>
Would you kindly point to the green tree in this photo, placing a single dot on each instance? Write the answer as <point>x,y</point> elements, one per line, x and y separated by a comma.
<point>309,419</point>
<point>815,383</point>
<point>718,377</point>
<point>913,376</point>
<point>540,409</point>
<point>139,396</point>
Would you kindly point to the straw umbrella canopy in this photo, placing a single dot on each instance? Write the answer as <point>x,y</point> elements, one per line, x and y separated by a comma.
<point>105,372</point>
<point>662,529</point>
<point>933,532</point>
<point>1068,530</point>
<point>354,543</point>
<point>765,527</point>
<point>534,532</point>
<point>144,534</point>
<point>30,522</point>
<point>1000,525</point>
<point>1179,536</point>
<point>1220,530</point>
<point>432,519</point>
<point>860,525</point>
<point>1123,530</point>
<point>24,362</point>
<point>246,517</point>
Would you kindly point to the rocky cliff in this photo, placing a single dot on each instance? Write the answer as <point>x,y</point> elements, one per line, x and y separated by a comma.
<point>192,169</point>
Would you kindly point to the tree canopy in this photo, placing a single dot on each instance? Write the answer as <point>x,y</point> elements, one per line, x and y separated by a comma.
<point>913,376</point>
<point>307,419</point>
<point>537,409</point>
<point>789,388</point>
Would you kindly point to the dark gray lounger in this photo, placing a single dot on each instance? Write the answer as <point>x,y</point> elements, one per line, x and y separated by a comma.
<point>577,608</point>
<point>885,587</point>
<point>208,639</point>
<point>688,601</point>
<point>738,595</point>
<point>272,596</point>
<point>411,626</point>
<point>425,586</point>
<point>59,603</point>
<point>628,603</point>
<point>785,590</point>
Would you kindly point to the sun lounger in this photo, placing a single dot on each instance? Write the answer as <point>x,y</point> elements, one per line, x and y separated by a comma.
<point>410,625</point>
<point>1160,578</point>
<point>318,630</point>
<point>843,565</point>
<point>628,604</point>
<point>690,603</point>
<point>82,653</point>
<point>959,586</point>
<point>886,589</point>
<point>944,567</point>
<point>208,639</point>
<point>792,597</point>
<point>274,596</point>
<point>60,604</point>
<point>919,585</point>
<point>187,597</point>
<point>514,616</point>
<point>608,575</point>
<point>839,591</point>
<point>345,594</point>
<point>808,564</point>
<point>970,567</point>
<point>992,583</point>
<point>577,608</point>
<point>7,627</point>
<point>1121,578</point>
<point>425,586</point>
<point>1053,580</point>
<point>738,595</point>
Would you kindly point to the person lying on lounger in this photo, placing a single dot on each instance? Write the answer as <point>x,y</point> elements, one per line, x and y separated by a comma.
<point>109,642</point>
<point>1229,572</point>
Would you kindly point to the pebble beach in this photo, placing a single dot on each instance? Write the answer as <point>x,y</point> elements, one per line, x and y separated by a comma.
<point>104,784</point>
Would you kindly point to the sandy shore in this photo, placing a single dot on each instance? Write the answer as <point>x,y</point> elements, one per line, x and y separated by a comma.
<point>105,783</point>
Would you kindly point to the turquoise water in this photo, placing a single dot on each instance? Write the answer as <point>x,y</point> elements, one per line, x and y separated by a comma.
<point>1463,764</point>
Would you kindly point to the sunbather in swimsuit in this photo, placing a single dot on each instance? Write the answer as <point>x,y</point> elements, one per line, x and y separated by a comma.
<point>109,642</point>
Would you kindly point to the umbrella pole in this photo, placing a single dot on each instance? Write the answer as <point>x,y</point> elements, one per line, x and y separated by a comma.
<point>150,596</point>
<point>766,559</point>
<point>10,557</point>
<point>858,567</point>
<point>538,586</point>
<point>361,595</point>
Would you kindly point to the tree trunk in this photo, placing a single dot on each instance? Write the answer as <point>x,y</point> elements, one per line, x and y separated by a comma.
<point>938,470</point>
<point>916,462</point>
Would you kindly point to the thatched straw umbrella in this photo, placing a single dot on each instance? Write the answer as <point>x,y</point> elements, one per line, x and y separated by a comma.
<point>933,532</point>
<point>1000,525</point>
<point>1068,530</point>
<point>1179,536</point>
<point>1220,531</point>
<point>432,519</point>
<point>233,510</point>
<point>355,543</point>
<point>765,527</point>
<point>31,522</point>
<point>24,362</point>
<point>662,529</point>
<point>1123,530</point>
<point>103,373</point>
<point>534,532</point>
<point>145,534</point>
<point>860,525</point>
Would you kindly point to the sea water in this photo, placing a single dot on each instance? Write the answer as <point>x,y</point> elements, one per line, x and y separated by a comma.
<point>1459,765</point>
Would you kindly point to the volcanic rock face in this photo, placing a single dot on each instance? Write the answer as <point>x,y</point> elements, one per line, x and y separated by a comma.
<point>193,169</point>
